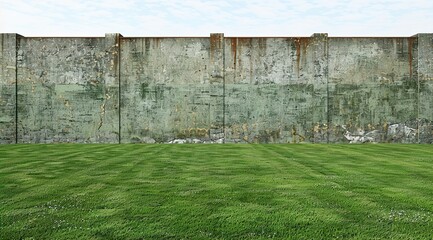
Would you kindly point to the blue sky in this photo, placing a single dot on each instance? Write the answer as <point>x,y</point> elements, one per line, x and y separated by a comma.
<point>201,17</point>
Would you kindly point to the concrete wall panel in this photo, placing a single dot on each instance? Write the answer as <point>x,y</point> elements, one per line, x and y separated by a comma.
<point>67,90</point>
<point>276,89</point>
<point>172,88</point>
<point>372,90</point>
<point>425,78</point>
<point>8,45</point>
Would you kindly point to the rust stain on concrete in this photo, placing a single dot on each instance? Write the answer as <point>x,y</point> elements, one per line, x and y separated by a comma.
<point>215,45</point>
<point>410,42</point>
<point>234,45</point>
<point>301,44</point>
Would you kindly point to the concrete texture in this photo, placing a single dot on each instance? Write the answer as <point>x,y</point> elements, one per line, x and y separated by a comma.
<point>216,89</point>
<point>276,89</point>
<point>425,87</point>
<point>171,88</point>
<point>68,90</point>
<point>372,85</point>
<point>8,57</point>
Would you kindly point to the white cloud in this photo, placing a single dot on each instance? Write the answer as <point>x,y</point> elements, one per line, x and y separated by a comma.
<point>201,17</point>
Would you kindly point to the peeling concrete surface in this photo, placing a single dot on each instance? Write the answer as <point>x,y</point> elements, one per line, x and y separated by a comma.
<point>216,89</point>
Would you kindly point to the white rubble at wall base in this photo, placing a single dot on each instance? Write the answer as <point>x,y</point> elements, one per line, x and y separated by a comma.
<point>195,140</point>
<point>398,131</point>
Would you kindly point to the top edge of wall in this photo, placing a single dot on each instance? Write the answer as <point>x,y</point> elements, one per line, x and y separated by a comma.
<point>56,37</point>
<point>228,36</point>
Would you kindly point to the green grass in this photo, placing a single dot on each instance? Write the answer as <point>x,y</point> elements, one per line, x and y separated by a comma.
<point>216,191</point>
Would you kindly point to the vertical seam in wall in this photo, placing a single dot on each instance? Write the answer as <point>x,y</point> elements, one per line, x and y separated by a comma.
<point>16,88</point>
<point>224,87</point>
<point>327,91</point>
<point>418,89</point>
<point>119,91</point>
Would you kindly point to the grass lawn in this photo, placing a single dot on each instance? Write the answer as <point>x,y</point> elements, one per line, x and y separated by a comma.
<point>216,191</point>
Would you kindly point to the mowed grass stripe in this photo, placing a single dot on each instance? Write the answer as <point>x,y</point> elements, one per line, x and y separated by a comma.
<point>327,191</point>
<point>357,187</point>
<point>216,191</point>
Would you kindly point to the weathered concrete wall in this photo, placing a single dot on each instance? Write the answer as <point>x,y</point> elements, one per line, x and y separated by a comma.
<point>171,88</point>
<point>372,86</point>
<point>8,49</point>
<point>216,89</point>
<point>68,90</point>
<point>425,87</point>
<point>276,89</point>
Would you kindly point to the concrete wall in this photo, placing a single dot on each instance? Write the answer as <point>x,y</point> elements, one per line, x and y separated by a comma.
<point>171,88</point>
<point>68,90</point>
<point>315,89</point>
<point>8,78</point>
<point>425,87</point>
<point>372,85</point>
<point>276,89</point>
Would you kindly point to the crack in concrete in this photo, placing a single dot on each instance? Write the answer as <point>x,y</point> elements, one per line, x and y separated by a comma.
<point>102,114</point>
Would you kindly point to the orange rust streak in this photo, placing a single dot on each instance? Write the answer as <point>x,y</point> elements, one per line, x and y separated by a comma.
<point>245,41</point>
<point>301,49</point>
<point>215,43</point>
<point>234,50</point>
<point>298,53</point>
<point>305,42</point>
<point>410,45</point>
